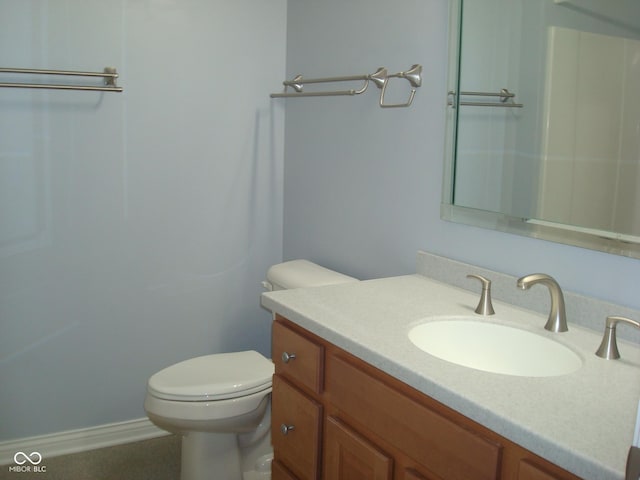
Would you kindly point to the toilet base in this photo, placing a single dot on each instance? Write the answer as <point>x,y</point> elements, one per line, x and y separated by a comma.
<point>261,470</point>
<point>210,456</point>
<point>214,456</point>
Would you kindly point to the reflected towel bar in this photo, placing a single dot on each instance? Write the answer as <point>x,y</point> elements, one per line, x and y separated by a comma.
<point>489,104</point>
<point>504,95</point>
<point>109,74</point>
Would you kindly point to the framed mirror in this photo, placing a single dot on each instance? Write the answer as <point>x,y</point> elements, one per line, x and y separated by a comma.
<point>543,127</point>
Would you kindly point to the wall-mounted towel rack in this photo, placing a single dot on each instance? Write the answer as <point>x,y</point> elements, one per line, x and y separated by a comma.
<point>506,99</point>
<point>109,74</point>
<point>380,79</point>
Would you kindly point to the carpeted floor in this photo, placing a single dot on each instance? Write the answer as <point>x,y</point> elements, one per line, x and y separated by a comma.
<point>155,459</point>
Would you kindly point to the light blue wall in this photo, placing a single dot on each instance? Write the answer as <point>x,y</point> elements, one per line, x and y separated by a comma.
<point>363,184</point>
<point>135,228</point>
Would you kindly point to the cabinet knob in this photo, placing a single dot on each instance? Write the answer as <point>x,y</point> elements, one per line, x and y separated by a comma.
<point>284,428</point>
<point>286,357</point>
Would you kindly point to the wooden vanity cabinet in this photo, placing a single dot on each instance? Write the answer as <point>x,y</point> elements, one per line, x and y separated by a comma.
<point>335,417</point>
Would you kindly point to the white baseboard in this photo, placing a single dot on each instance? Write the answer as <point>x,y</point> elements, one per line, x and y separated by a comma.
<point>74,441</point>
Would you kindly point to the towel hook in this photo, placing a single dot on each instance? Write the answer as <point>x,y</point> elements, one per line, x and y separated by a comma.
<point>413,76</point>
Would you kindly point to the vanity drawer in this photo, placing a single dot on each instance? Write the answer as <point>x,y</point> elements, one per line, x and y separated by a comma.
<point>445,448</point>
<point>295,429</point>
<point>297,357</point>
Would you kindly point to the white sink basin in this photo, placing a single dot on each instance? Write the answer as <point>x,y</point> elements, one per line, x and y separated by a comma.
<point>480,344</point>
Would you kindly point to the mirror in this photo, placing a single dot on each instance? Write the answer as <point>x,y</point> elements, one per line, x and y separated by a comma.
<point>543,134</point>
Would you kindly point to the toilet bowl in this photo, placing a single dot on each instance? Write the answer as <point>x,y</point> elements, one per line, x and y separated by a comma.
<point>220,404</point>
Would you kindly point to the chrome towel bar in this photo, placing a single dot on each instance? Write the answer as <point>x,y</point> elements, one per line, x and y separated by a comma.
<point>109,74</point>
<point>380,79</point>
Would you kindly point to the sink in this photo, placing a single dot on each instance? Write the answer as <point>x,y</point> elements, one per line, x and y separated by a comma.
<point>492,347</point>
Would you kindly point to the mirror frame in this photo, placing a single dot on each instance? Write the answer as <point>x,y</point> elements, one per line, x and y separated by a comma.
<point>604,241</point>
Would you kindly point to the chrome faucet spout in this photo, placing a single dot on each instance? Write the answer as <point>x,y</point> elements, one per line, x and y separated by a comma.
<point>557,321</point>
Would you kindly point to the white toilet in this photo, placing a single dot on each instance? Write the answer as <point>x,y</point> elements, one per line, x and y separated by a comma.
<point>220,404</point>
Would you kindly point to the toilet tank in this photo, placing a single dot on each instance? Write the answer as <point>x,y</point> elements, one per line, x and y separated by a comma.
<point>302,273</point>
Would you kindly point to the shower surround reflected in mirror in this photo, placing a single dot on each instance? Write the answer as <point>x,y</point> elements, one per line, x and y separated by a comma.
<point>544,120</point>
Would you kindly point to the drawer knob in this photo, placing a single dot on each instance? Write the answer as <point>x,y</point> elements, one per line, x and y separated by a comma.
<point>286,357</point>
<point>284,428</point>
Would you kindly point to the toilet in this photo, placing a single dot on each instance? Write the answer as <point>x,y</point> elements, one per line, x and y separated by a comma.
<point>220,404</point>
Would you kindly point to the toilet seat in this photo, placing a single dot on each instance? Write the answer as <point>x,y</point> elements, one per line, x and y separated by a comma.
<point>219,376</point>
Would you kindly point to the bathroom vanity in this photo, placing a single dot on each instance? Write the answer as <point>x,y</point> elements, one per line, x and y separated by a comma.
<point>337,414</point>
<point>354,398</point>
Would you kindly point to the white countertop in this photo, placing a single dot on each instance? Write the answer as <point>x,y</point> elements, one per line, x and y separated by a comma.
<point>583,421</point>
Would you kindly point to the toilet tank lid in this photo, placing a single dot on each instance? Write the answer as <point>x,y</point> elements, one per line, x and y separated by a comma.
<point>303,273</point>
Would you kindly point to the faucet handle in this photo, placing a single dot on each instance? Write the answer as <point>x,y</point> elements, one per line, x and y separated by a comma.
<point>608,347</point>
<point>484,306</point>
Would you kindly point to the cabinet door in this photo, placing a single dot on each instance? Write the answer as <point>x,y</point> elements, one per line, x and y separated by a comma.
<point>279,472</point>
<point>530,471</point>
<point>295,429</point>
<point>447,449</point>
<point>410,474</point>
<point>348,456</point>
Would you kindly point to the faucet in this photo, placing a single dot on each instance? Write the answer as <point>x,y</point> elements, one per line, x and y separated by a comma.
<point>557,321</point>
